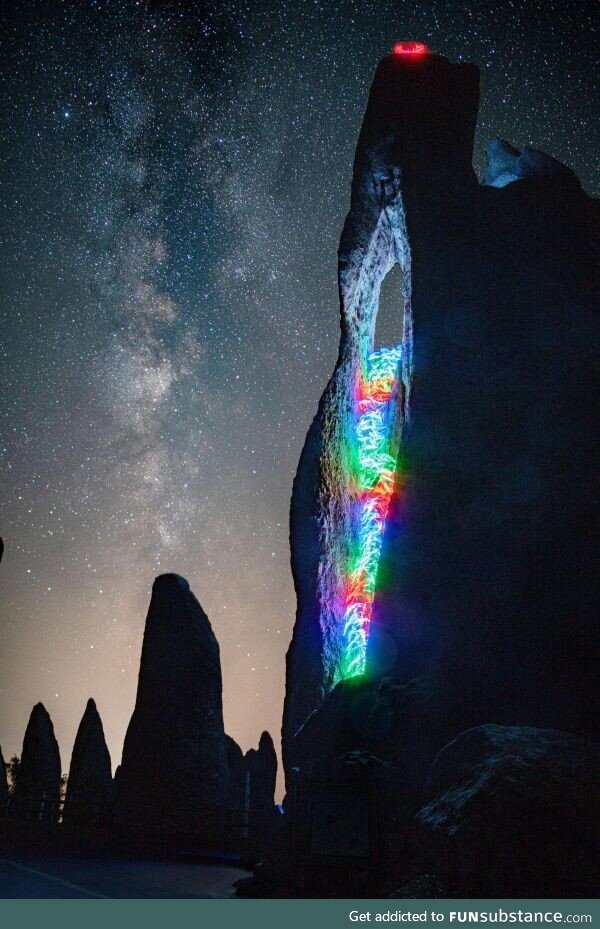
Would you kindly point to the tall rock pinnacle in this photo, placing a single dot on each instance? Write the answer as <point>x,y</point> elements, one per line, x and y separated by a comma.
<point>414,149</point>
<point>3,782</point>
<point>440,518</point>
<point>90,779</point>
<point>38,782</point>
<point>174,756</point>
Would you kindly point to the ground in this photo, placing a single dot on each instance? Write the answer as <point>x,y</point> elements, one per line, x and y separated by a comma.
<point>56,876</point>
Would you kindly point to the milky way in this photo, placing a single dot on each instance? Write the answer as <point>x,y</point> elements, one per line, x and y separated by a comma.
<point>176,177</point>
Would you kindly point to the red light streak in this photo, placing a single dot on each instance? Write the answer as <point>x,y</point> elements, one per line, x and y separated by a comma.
<point>410,48</point>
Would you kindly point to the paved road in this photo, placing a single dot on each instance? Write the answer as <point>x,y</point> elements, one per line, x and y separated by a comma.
<point>63,877</point>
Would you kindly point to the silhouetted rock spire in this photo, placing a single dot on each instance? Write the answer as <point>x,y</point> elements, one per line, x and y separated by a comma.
<point>261,764</point>
<point>236,769</point>
<point>90,780</point>
<point>3,782</point>
<point>174,756</point>
<point>38,782</point>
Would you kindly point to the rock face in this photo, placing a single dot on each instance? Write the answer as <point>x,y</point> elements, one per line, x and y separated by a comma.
<point>38,784</point>
<point>236,768</point>
<point>417,136</point>
<point>3,783</point>
<point>507,164</point>
<point>261,764</point>
<point>252,777</point>
<point>486,574</point>
<point>401,724</point>
<point>251,794</point>
<point>90,783</point>
<point>174,765</point>
<point>513,812</point>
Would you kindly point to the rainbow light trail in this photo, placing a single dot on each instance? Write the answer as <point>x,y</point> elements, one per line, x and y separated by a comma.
<point>376,470</point>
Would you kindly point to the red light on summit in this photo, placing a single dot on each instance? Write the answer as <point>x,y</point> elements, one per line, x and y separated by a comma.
<point>410,48</point>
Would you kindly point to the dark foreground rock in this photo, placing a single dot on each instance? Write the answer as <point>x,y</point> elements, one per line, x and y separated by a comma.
<point>509,812</point>
<point>3,783</point>
<point>402,723</point>
<point>251,777</point>
<point>356,773</point>
<point>174,769</point>
<point>261,764</point>
<point>37,790</point>
<point>251,795</point>
<point>236,774</point>
<point>90,786</point>
<point>513,812</point>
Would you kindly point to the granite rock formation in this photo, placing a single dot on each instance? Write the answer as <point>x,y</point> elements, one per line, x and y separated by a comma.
<point>507,164</point>
<point>403,724</point>
<point>38,785</point>
<point>513,812</point>
<point>3,783</point>
<point>486,573</point>
<point>174,765</point>
<point>251,794</point>
<point>252,776</point>
<point>261,764</point>
<point>90,785</point>
<point>236,775</point>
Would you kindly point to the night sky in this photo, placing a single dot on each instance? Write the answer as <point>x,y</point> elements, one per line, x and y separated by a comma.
<point>175,179</point>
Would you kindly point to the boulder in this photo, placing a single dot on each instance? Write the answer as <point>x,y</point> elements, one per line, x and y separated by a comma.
<point>513,811</point>
<point>401,723</point>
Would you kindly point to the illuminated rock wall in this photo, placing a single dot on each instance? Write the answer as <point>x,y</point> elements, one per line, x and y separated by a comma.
<point>350,470</point>
<point>485,571</point>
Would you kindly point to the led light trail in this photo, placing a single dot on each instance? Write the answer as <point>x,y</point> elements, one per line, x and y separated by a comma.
<point>411,49</point>
<point>376,471</point>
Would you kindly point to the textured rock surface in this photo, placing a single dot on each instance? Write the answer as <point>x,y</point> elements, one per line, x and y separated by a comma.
<point>90,778</point>
<point>488,560</point>
<point>40,768</point>
<point>514,812</point>
<point>174,758</point>
<point>507,164</point>
<point>417,136</point>
<point>487,570</point>
<point>403,724</point>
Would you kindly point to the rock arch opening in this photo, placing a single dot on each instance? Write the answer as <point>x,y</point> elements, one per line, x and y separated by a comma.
<point>389,318</point>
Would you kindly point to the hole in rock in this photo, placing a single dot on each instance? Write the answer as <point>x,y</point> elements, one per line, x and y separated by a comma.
<point>389,323</point>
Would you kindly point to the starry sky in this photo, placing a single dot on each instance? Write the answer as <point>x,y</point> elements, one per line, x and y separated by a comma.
<point>175,179</point>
